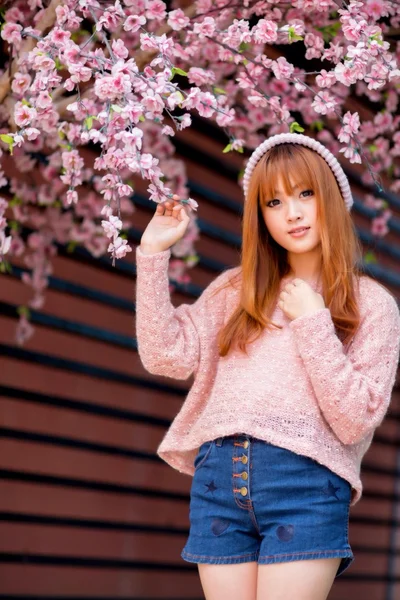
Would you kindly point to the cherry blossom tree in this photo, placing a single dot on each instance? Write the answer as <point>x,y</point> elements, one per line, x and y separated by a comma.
<point>93,91</point>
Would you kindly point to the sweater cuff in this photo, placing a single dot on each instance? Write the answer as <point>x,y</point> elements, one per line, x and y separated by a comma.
<point>313,326</point>
<point>151,262</point>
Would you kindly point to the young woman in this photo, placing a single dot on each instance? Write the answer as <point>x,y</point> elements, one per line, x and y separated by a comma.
<point>295,354</point>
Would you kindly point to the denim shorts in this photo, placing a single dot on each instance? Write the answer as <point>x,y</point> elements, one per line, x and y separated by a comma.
<point>253,501</point>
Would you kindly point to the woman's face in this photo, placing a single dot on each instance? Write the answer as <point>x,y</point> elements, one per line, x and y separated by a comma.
<point>283,212</point>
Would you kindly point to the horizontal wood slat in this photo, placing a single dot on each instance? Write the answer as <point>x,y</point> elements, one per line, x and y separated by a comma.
<point>66,462</point>
<point>128,582</point>
<point>108,507</point>
<point>125,394</point>
<point>29,539</point>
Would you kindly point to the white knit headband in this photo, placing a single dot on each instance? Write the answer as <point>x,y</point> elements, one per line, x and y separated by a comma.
<point>298,138</point>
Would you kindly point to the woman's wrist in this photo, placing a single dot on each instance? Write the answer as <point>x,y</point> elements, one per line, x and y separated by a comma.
<point>147,249</point>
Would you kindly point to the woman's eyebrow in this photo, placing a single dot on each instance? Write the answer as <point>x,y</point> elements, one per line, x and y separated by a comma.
<point>296,187</point>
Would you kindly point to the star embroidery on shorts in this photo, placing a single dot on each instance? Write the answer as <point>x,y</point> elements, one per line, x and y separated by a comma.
<point>211,486</point>
<point>330,490</point>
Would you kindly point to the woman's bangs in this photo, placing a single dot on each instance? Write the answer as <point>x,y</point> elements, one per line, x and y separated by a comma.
<point>292,168</point>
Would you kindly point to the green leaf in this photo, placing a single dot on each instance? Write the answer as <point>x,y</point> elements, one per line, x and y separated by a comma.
<point>88,122</point>
<point>5,267</point>
<point>14,225</point>
<point>317,125</point>
<point>71,246</point>
<point>370,257</point>
<point>178,71</point>
<point>24,311</point>
<point>116,108</point>
<point>372,148</point>
<point>293,37</point>
<point>243,46</point>
<point>227,148</point>
<point>7,139</point>
<point>218,90</point>
<point>142,119</point>
<point>296,128</point>
<point>15,201</point>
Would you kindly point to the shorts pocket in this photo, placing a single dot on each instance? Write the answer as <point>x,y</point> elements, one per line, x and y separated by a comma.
<point>203,454</point>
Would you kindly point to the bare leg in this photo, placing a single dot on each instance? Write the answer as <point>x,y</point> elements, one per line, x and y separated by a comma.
<point>233,582</point>
<point>303,579</point>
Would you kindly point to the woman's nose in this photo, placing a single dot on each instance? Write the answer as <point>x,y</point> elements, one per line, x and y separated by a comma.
<point>293,211</point>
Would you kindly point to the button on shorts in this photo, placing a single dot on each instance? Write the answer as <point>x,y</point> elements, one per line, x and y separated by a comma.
<point>253,501</point>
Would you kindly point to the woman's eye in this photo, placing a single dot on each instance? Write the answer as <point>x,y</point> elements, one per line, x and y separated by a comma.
<point>308,192</point>
<point>270,202</point>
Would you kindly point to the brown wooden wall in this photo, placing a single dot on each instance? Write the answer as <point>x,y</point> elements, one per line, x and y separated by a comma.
<point>86,508</point>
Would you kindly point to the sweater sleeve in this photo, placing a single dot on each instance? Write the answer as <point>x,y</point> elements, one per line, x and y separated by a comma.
<point>354,389</point>
<point>168,337</point>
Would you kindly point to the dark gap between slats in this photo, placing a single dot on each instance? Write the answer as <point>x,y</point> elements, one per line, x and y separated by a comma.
<point>21,395</point>
<point>91,485</point>
<point>27,558</point>
<point>64,364</point>
<point>78,523</point>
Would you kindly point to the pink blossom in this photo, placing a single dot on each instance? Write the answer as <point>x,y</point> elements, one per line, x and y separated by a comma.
<point>124,189</point>
<point>24,331</point>
<point>43,100</point>
<point>13,15</point>
<point>11,33</point>
<point>59,37</point>
<point>352,154</point>
<point>346,74</point>
<point>207,104</point>
<point>119,49</point>
<point>205,28</point>
<point>184,121</point>
<point>153,102</point>
<point>352,29</point>
<point>333,53</point>
<point>200,76</point>
<point>134,23</point>
<point>324,103</point>
<point>174,100</point>
<point>265,32</point>
<point>325,79</point>
<point>32,133</point>
<point>112,227</point>
<point>119,248</point>
<point>5,243</point>
<point>376,78</point>
<point>156,9</point>
<point>177,19</point>
<point>379,226</point>
<point>23,114</point>
<point>72,197</point>
<point>372,202</point>
<point>109,87</point>
<point>21,83</point>
<point>282,69</point>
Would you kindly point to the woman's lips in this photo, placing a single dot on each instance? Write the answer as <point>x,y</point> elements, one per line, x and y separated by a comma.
<point>300,233</point>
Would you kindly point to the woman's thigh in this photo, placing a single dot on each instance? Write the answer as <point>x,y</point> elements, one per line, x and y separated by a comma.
<point>234,582</point>
<point>303,579</point>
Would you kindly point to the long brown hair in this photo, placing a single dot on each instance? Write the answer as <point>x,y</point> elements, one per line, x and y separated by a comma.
<point>264,261</point>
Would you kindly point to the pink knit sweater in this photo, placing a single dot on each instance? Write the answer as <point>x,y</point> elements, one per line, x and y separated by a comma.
<point>297,389</point>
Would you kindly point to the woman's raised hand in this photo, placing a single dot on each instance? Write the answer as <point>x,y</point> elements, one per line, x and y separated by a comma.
<point>167,226</point>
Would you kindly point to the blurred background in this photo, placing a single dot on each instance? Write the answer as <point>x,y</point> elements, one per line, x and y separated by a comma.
<point>87,510</point>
